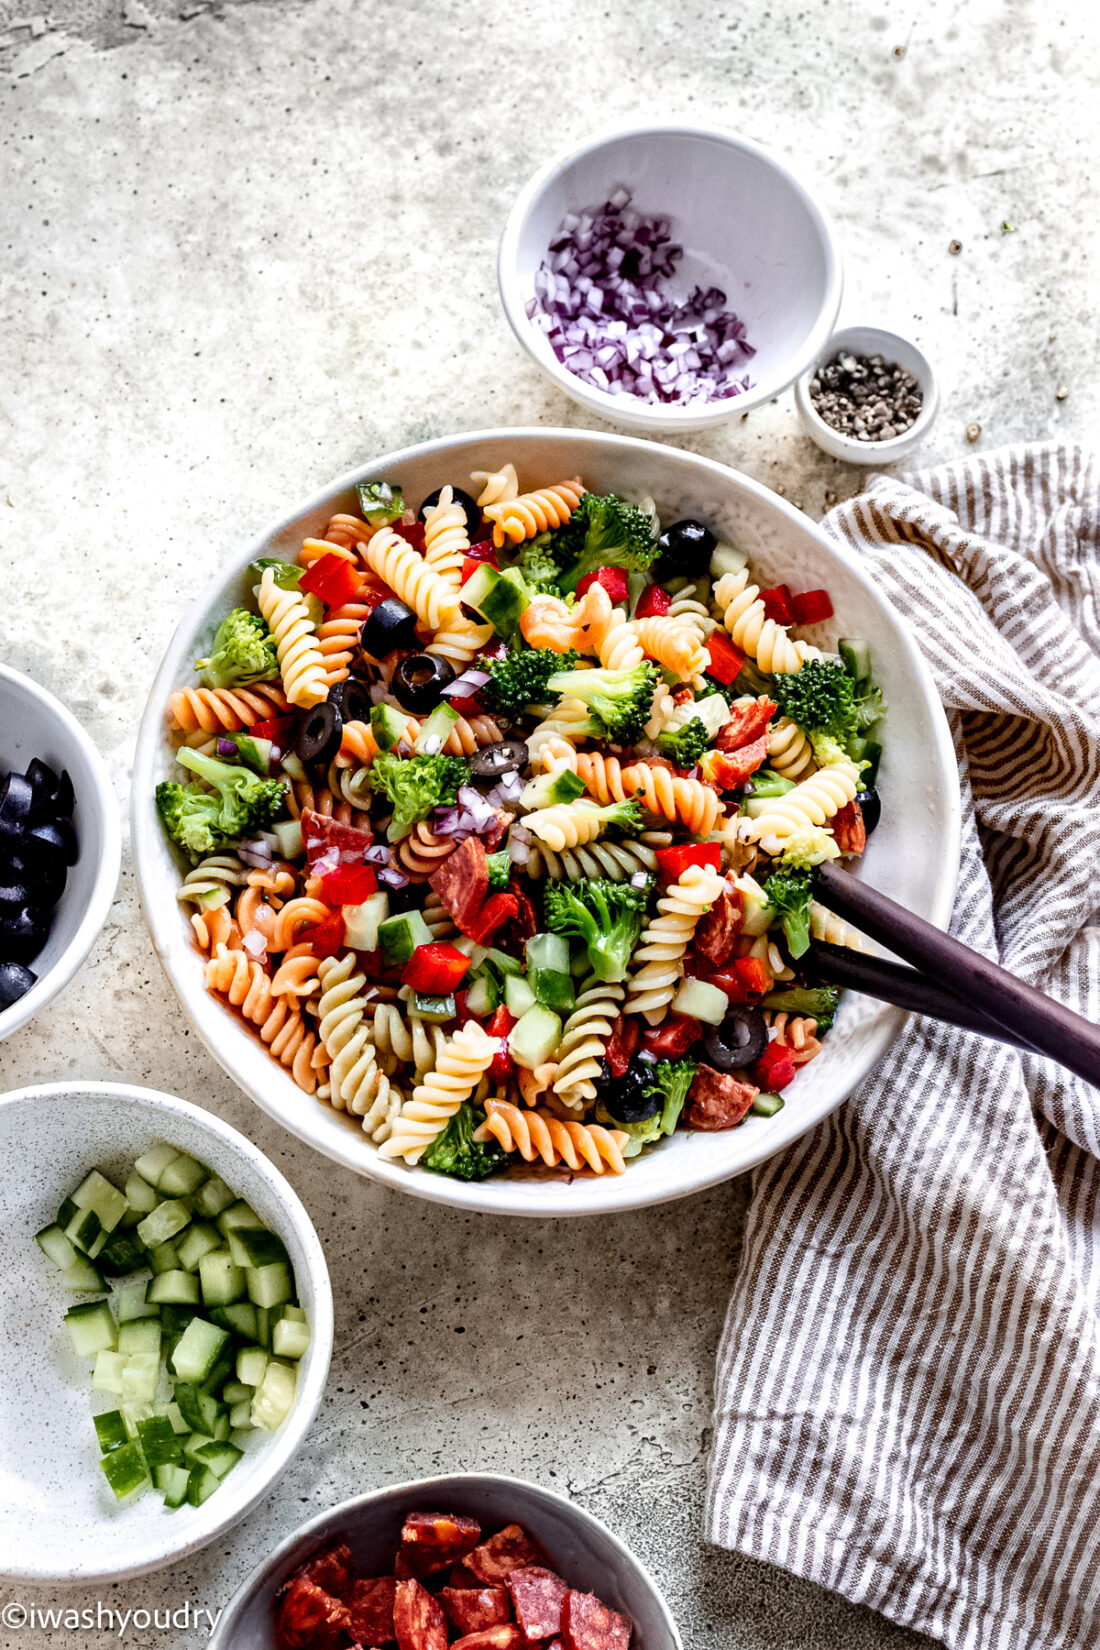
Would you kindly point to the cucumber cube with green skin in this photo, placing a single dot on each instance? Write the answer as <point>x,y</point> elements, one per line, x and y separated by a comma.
<point>183,1176</point>
<point>198,1240</point>
<point>122,1254</point>
<point>255,1247</point>
<point>166,1220</point>
<point>133,1413</point>
<point>501,599</point>
<point>518,995</point>
<point>222,1428</point>
<point>165,1258</point>
<point>201,1485</point>
<point>400,935</point>
<point>140,1195</point>
<point>187,1400</point>
<point>274,1396</point>
<point>270,1285</point>
<point>192,1445</point>
<point>239,1319</point>
<point>152,1164</point>
<point>534,1037</point>
<point>295,1313</point>
<point>139,1335</point>
<point>290,1339</point>
<point>766,1105</point>
<point>131,1303</point>
<point>240,1416</point>
<point>212,1197</point>
<point>263,1328</point>
<point>172,1483</point>
<point>435,1009</point>
<point>252,1361</point>
<point>92,1329</point>
<point>220,1457</point>
<point>223,1371</point>
<point>110,1430</point>
<point>124,1470</point>
<point>81,1278</point>
<point>238,1214</point>
<point>436,730</point>
<point>222,1280</point>
<point>548,972</point>
<point>140,1373</point>
<point>235,1392</point>
<point>159,1443</point>
<point>175,1417</point>
<point>288,834</point>
<point>198,1350</point>
<point>388,725</point>
<point>362,922</point>
<point>85,1233</point>
<point>173,1289</point>
<point>56,1246</point>
<point>66,1212</point>
<point>551,788</point>
<point>107,1374</point>
<point>482,997</point>
<point>96,1192</point>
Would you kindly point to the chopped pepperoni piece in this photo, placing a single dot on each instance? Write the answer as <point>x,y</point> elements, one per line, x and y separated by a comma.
<point>311,1619</point>
<point>506,1637</point>
<point>849,831</point>
<point>418,1619</point>
<point>462,882</point>
<point>330,1568</point>
<point>672,1039</point>
<point>441,1530</point>
<point>537,1597</point>
<point>717,1100</point>
<point>586,1624</point>
<point>504,1552</point>
<point>326,838</point>
<point>472,1609</point>
<point>621,1045</point>
<point>498,910</point>
<point>731,769</point>
<point>746,724</point>
<point>717,929</point>
<point>370,1605</point>
<point>461,1577</point>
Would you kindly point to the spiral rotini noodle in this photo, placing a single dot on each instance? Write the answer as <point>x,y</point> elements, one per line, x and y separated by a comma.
<point>470,734</point>
<point>356,1083</point>
<point>534,1134</point>
<point>293,917</point>
<point>521,518</point>
<point>321,800</point>
<point>216,927</point>
<point>224,710</point>
<point>496,486</point>
<point>410,1041</point>
<point>812,802</point>
<point>616,861</point>
<point>566,825</point>
<point>674,644</point>
<point>348,532</point>
<point>824,925</point>
<point>797,1033</point>
<point>458,641</point>
<point>551,741</point>
<point>463,1060</point>
<point>753,632</point>
<point>300,663</point>
<point>408,575</point>
<point>436,917</point>
<point>789,750</point>
<point>688,801</point>
<point>209,882</point>
<point>422,852</point>
<point>358,746</point>
<point>689,605</point>
<point>585,1035</point>
<point>660,956</point>
<point>338,638</point>
<point>446,540</point>
<point>316,549</point>
<point>233,975</point>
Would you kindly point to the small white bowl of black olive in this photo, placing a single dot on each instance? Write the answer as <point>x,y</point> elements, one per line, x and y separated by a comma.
<point>60,847</point>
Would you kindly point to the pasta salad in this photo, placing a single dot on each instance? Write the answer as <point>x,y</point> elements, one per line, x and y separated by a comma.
<point>500,815</point>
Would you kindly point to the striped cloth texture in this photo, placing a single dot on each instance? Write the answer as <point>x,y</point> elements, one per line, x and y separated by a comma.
<point>907,1397</point>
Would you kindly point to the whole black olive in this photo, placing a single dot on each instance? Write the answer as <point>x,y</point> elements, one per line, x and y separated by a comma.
<point>54,839</point>
<point>631,1097</point>
<point>739,1041</point>
<point>494,761</point>
<point>684,548</point>
<point>419,680</point>
<point>388,626</point>
<point>12,895</point>
<point>15,982</point>
<point>16,796</point>
<point>469,505</point>
<point>352,699</point>
<point>45,881</point>
<point>319,735</point>
<point>870,807</point>
<point>23,933</point>
<point>45,785</point>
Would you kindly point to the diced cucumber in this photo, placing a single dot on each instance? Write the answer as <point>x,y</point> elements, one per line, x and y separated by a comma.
<point>435,1009</point>
<point>222,1279</point>
<point>295,1313</point>
<point>124,1470</point>
<point>219,1457</point>
<point>498,601</point>
<point>288,834</point>
<point>700,1000</point>
<point>726,558</point>
<point>85,1233</point>
<point>163,1223</point>
<point>502,963</point>
<point>756,912</point>
<point>56,1246</point>
<point>140,1195</point>
<point>159,1443</point>
<point>235,1392</point>
<point>274,1396</point>
<point>192,1445</point>
<point>107,1374</point>
<point>766,1105</point>
<point>222,1427</point>
<point>182,1177</point>
<point>212,1197</point>
<point>140,1372</point>
<point>388,725</point>
<point>174,1321</point>
<point>96,1192</point>
<point>131,1303</point>
<point>237,1215</point>
<point>481,998</point>
<point>856,655</point>
<point>290,1339</point>
<point>240,1318</point>
<point>175,1417</point>
<point>172,1483</point>
<point>534,1037</point>
<point>173,1289</point>
<point>191,1406</point>
<point>165,1258</point>
<point>263,1327</point>
<point>240,1416</point>
<point>82,1278</point>
<point>110,1429</point>
<point>198,1350</point>
<point>152,1164</point>
<point>518,995</point>
<point>198,1240</point>
<point>92,1329</point>
<point>122,1254</point>
<point>436,730</point>
<point>270,1285</point>
<point>133,1413</point>
<point>400,935</point>
<point>548,789</point>
<point>362,922</point>
<point>548,972</point>
<point>201,1485</point>
<point>221,1372</point>
<point>66,1212</point>
<point>139,1335</point>
<point>470,948</point>
<point>254,1246</point>
<point>252,1361</point>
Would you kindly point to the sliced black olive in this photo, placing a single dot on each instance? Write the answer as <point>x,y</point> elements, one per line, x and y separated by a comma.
<point>870,807</point>
<point>684,548</point>
<point>469,505</point>
<point>739,1041</point>
<point>319,735</point>
<point>15,982</point>
<point>388,626</point>
<point>494,761</point>
<point>16,796</point>
<point>12,895</point>
<point>54,839</point>
<point>631,1098</point>
<point>419,680</point>
<point>65,800</point>
<point>352,699</point>
<point>45,785</point>
<point>23,933</point>
<point>46,881</point>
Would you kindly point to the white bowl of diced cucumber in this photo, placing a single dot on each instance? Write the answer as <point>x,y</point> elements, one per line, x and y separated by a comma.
<point>174,1323</point>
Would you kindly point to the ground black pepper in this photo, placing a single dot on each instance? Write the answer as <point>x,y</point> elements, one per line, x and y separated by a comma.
<point>865,397</point>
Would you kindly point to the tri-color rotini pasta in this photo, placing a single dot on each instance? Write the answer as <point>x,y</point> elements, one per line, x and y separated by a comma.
<point>498,819</point>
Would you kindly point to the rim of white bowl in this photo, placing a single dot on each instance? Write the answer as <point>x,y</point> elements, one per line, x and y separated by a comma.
<point>415,1489</point>
<point>644,415</point>
<point>292,1433</point>
<point>786,1126</point>
<point>107,872</point>
<point>869,453</point>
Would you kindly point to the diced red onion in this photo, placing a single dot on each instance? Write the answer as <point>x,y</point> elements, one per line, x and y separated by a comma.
<point>521,833</point>
<point>378,854</point>
<point>326,862</point>
<point>639,880</point>
<point>256,853</point>
<point>518,852</point>
<point>392,877</point>
<point>404,748</point>
<point>468,683</point>
<point>255,944</point>
<point>227,747</point>
<point>431,746</point>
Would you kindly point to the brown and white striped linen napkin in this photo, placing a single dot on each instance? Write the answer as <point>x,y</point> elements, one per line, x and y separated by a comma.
<point>908,1386</point>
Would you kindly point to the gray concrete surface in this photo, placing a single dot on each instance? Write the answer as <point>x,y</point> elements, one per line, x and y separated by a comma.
<point>248,245</point>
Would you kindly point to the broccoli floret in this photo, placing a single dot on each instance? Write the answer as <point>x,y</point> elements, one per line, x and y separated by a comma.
<point>500,871</point>
<point>538,565</point>
<point>671,1080</point>
<point>789,894</point>
<point>240,803</point>
<point>684,746</point>
<point>243,652</point>
<point>816,1002</point>
<point>455,1152</point>
<point>415,785</point>
<point>607,916</point>
<point>804,849</point>
<point>520,679</point>
<point>828,751</point>
<point>605,531</point>
<point>820,698</point>
<point>622,699</point>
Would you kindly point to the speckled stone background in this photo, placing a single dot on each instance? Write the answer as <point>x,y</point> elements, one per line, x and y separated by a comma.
<point>248,245</point>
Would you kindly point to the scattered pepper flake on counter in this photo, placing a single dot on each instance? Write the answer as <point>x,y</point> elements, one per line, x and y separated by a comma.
<point>866,397</point>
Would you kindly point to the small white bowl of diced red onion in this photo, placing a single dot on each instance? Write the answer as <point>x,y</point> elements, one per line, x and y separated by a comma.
<point>60,847</point>
<point>668,277</point>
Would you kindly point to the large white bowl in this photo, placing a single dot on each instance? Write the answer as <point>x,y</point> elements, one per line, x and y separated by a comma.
<point>34,723</point>
<point>60,1520</point>
<point>747,225</point>
<point>914,854</point>
<point>582,1550</point>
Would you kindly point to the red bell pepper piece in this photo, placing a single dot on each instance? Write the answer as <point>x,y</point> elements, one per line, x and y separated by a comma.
<point>333,580</point>
<point>411,531</point>
<point>653,603</point>
<point>775,1067</point>
<point>811,606</point>
<point>729,770</point>
<point>484,551</point>
<point>613,580</point>
<point>502,1065</point>
<point>755,975</point>
<point>326,939</point>
<point>777,604</point>
<point>745,723</point>
<point>620,1046</point>
<point>725,659</point>
<point>672,1039</point>
<point>279,729</point>
<point>436,969</point>
<point>348,885</point>
<point>729,981</point>
<point>491,652</point>
<point>497,910</point>
<point>674,861</point>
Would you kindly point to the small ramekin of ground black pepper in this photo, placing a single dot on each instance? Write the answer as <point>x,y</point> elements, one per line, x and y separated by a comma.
<point>871,397</point>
